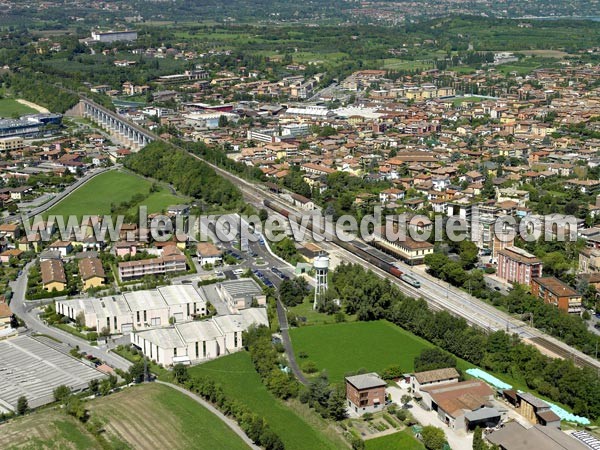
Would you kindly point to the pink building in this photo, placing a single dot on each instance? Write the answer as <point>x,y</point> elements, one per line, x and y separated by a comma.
<point>515,265</point>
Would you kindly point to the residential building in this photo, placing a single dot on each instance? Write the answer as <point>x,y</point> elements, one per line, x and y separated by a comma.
<point>555,292</point>
<point>208,253</point>
<point>171,261</point>
<point>589,260</point>
<point>365,393</point>
<point>63,247</point>
<point>433,377</point>
<point>53,275</point>
<point>516,265</point>
<point>5,315</point>
<point>10,144</point>
<point>91,272</point>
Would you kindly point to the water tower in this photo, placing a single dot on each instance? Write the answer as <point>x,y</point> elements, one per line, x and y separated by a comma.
<point>321,266</point>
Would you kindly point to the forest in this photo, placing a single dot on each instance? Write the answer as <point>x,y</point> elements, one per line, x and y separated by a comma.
<point>188,175</point>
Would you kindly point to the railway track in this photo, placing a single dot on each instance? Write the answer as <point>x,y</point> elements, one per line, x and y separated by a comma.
<point>258,194</point>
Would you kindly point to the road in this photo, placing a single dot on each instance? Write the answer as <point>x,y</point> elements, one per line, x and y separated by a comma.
<point>29,313</point>
<point>226,420</point>
<point>438,294</point>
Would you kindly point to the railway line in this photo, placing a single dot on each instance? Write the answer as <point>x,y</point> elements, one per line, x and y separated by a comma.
<point>458,303</point>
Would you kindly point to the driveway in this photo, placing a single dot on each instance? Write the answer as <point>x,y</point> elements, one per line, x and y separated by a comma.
<point>458,440</point>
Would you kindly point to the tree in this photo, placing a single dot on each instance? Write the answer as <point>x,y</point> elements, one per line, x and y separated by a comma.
<point>180,373</point>
<point>405,399</point>
<point>336,404</point>
<point>94,386</point>
<point>22,405</point>
<point>433,438</point>
<point>223,121</point>
<point>433,358</point>
<point>62,393</point>
<point>75,407</point>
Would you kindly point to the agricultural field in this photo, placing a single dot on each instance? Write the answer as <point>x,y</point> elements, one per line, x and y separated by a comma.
<point>10,108</point>
<point>397,441</point>
<point>143,417</point>
<point>157,416</point>
<point>46,429</point>
<point>346,347</point>
<point>114,187</point>
<point>298,427</point>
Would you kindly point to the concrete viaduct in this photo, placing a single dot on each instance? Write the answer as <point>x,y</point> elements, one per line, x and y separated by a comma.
<point>125,132</point>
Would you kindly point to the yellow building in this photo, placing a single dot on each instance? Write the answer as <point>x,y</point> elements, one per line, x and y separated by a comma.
<point>11,143</point>
<point>91,272</point>
<point>53,275</point>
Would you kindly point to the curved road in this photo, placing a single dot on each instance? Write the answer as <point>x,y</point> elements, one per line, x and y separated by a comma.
<point>28,312</point>
<point>226,420</point>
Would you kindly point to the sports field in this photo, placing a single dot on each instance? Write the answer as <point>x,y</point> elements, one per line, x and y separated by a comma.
<point>236,374</point>
<point>346,347</point>
<point>11,108</point>
<point>114,187</point>
<point>397,441</point>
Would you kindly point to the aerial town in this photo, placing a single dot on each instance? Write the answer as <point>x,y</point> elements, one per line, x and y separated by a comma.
<point>176,200</point>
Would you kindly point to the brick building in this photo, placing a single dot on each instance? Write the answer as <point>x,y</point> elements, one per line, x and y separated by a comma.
<point>557,293</point>
<point>365,393</point>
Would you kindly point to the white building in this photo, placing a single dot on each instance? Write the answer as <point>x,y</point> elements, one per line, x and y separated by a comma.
<point>239,294</point>
<point>136,310</point>
<point>114,36</point>
<point>195,341</point>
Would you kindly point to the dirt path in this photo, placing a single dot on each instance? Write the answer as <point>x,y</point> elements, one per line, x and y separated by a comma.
<point>38,108</point>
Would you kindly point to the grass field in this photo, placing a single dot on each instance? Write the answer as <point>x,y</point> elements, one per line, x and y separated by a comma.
<point>345,347</point>
<point>47,429</point>
<point>400,64</point>
<point>154,416</point>
<point>11,108</point>
<point>144,417</point>
<point>403,440</point>
<point>96,196</point>
<point>298,428</point>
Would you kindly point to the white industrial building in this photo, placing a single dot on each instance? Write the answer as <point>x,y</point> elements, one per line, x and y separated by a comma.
<point>240,294</point>
<point>137,310</point>
<point>114,36</point>
<point>190,342</point>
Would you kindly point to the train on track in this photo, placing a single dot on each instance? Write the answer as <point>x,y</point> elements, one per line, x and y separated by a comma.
<point>369,254</point>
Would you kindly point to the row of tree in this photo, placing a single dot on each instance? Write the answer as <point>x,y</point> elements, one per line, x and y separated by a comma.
<point>373,298</point>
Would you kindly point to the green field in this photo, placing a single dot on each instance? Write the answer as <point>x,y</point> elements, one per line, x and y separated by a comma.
<point>144,417</point>
<point>346,347</point>
<point>299,429</point>
<point>403,440</point>
<point>11,108</point>
<point>97,195</point>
